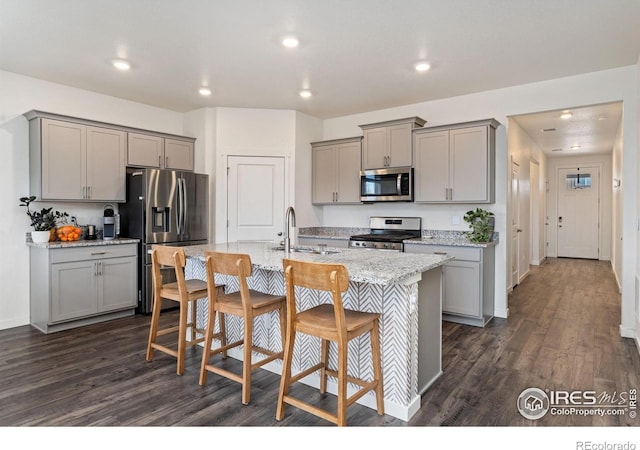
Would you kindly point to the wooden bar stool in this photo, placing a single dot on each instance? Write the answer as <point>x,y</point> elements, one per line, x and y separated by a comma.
<point>182,291</point>
<point>245,303</point>
<point>330,322</point>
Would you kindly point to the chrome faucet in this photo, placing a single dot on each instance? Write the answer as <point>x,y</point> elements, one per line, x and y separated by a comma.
<point>289,220</point>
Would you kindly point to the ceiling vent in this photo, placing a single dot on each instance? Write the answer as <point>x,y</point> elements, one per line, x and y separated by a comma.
<point>547,130</point>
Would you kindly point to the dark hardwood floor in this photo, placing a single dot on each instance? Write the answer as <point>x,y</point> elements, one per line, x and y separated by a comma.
<point>562,334</point>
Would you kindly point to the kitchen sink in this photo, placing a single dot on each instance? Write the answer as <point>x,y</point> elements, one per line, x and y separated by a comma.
<point>315,251</point>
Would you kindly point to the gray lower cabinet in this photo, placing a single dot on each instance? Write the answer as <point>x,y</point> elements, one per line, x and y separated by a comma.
<point>468,285</point>
<point>329,242</point>
<point>77,286</point>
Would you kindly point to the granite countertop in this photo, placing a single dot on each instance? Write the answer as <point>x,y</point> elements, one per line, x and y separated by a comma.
<point>84,243</point>
<point>451,238</point>
<point>364,266</point>
<point>331,232</point>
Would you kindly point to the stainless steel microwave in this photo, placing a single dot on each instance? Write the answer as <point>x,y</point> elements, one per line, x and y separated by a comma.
<point>387,185</point>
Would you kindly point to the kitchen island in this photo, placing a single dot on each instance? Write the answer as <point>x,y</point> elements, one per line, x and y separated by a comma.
<point>405,289</point>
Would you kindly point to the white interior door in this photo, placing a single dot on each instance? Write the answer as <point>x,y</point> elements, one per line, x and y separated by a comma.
<point>515,223</point>
<point>578,212</point>
<point>255,198</point>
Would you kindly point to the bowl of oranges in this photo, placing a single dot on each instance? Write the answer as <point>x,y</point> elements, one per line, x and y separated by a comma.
<point>68,233</point>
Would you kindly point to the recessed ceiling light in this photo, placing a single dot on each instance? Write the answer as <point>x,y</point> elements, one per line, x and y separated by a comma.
<point>305,93</point>
<point>290,42</point>
<point>575,147</point>
<point>121,64</point>
<point>204,91</point>
<point>566,115</point>
<point>422,66</point>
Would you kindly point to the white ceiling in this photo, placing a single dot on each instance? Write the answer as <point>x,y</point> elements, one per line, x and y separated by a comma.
<point>354,55</point>
<point>593,128</point>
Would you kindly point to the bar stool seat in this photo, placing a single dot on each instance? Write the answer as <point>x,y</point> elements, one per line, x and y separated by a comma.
<point>182,291</point>
<point>329,322</point>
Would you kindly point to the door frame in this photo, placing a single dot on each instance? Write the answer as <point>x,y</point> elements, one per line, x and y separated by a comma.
<point>600,168</point>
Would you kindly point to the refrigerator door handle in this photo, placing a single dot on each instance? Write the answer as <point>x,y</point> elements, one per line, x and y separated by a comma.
<point>180,207</point>
<point>185,206</point>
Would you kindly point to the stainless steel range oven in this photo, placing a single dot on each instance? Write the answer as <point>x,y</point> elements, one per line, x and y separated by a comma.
<point>387,233</point>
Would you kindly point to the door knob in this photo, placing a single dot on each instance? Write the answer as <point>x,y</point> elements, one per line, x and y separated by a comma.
<point>280,234</point>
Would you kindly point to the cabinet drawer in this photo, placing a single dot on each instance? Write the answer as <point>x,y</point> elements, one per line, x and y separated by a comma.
<point>459,253</point>
<point>93,252</point>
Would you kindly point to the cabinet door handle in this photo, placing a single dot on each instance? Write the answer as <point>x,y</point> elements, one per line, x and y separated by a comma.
<point>166,161</point>
<point>440,253</point>
<point>336,196</point>
<point>100,267</point>
<point>159,161</point>
<point>98,253</point>
<point>89,191</point>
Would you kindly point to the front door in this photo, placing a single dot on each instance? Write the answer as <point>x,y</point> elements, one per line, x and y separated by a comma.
<point>578,212</point>
<point>255,198</point>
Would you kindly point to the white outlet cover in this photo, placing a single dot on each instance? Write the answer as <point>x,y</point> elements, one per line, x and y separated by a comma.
<point>455,220</point>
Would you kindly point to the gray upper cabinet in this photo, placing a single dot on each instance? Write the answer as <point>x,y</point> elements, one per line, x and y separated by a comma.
<point>178,154</point>
<point>336,171</point>
<point>146,150</point>
<point>388,144</point>
<point>75,161</point>
<point>455,163</point>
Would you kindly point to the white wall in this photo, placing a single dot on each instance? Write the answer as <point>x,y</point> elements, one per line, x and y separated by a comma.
<point>19,94</point>
<point>599,87</point>
<point>308,129</point>
<point>523,151</point>
<point>616,207</point>
<point>252,132</point>
<point>201,124</point>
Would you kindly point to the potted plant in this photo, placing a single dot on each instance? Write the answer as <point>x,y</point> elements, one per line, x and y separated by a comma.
<point>482,223</point>
<point>42,221</point>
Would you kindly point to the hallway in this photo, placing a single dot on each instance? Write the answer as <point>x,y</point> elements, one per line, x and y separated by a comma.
<point>562,334</point>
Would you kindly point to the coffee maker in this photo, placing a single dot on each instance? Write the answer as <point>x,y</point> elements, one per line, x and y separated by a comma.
<point>110,223</point>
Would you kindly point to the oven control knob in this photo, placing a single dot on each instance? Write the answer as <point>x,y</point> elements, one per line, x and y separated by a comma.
<point>385,245</point>
<point>364,244</point>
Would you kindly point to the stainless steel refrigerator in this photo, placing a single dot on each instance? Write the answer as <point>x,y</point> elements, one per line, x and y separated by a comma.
<point>167,207</point>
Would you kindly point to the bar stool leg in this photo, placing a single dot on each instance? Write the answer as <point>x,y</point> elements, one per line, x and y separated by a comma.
<point>153,331</point>
<point>208,337</point>
<point>182,337</point>
<point>246,363</point>
<point>324,359</point>
<point>377,366</point>
<point>342,384</point>
<point>285,379</point>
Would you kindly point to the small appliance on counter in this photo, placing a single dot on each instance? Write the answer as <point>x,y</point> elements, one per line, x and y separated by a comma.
<point>91,233</point>
<point>110,223</point>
